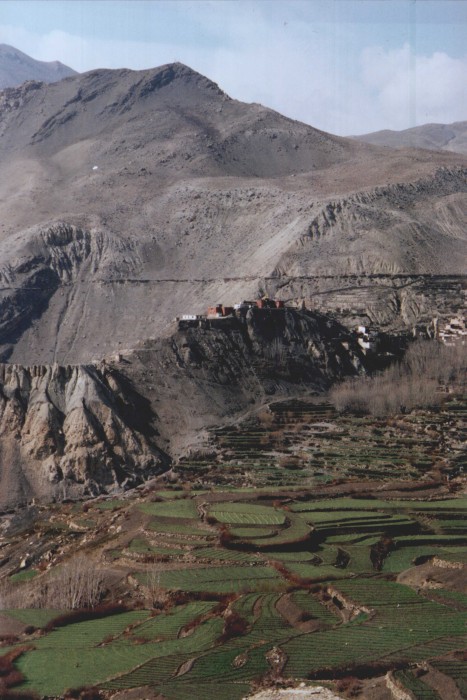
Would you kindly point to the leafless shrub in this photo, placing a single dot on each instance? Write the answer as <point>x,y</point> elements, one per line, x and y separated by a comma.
<point>24,595</point>
<point>78,583</point>
<point>9,675</point>
<point>157,596</point>
<point>278,437</point>
<point>445,363</point>
<point>84,694</point>
<point>415,382</point>
<point>234,626</point>
<point>349,685</point>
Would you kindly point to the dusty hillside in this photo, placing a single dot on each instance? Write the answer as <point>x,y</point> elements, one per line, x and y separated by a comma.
<point>80,430</point>
<point>436,137</point>
<point>16,67</point>
<point>128,198</point>
<point>124,190</point>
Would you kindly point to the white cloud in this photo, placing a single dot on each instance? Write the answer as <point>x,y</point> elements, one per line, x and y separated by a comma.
<point>20,38</point>
<point>410,89</point>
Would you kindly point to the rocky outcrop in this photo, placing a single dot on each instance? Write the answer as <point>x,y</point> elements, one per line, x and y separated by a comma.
<point>301,692</point>
<point>14,98</point>
<point>397,690</point>
<point>383,301</point>
<point>403,228</point>
<point>445,564</point>
<point>69,431</point>
<point>63,434</point>
<point>45,272</point>
<point>211,371</point>
<point>35,267</point>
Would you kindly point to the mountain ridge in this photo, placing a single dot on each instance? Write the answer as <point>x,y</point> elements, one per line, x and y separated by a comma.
<point>17,67</point>
<point>433,136</point>
<point>151,187</point>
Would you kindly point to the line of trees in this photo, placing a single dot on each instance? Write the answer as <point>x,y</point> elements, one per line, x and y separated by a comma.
<point>417,381</point>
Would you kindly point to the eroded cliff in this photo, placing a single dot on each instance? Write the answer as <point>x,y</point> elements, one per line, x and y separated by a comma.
<point>76,431</point>
<point>63,434</point>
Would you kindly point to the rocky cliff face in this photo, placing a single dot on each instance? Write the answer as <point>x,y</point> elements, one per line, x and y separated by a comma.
<point>64,434</point>
<point>380,231</point>
<point>381,301</point>
<point>211,371</point>
<point>44,278</point>
<point>73,431</point>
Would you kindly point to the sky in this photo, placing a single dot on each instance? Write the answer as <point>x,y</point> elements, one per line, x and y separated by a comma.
<point>344,66</point>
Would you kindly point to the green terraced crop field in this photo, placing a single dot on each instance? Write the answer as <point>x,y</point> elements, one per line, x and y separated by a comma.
<point>180,508</point>
<point>36,617</point>
<point>218,579</point>
<point>245,574</point>
<point>299,441</point>
<point>244,514</point>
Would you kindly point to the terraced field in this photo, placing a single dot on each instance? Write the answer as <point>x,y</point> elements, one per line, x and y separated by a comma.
<point>257,586</point>
<point>309,442</point>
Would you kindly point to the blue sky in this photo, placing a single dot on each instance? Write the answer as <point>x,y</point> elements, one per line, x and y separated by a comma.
<point>345,66</point>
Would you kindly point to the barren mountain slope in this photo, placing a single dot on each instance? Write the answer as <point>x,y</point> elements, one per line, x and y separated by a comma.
<point>124,191</point>
<point>16,67</point>
<point>78,431</point>
<point>436,137</point>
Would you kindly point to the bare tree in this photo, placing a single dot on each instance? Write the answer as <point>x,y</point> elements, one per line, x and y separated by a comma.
<point>157,596</point>
<point>415,382</point>
<point>78,583</point>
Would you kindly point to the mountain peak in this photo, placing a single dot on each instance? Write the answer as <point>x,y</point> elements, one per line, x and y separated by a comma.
<point>179,72</point>
<point>16,67</point>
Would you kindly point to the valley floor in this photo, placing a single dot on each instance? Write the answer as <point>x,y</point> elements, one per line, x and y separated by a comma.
<point>353,582</point>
